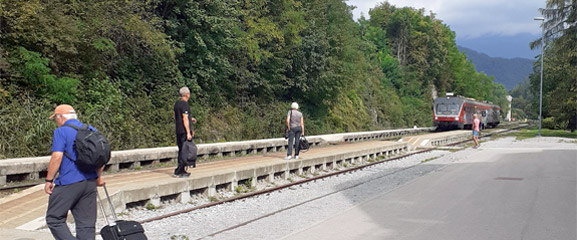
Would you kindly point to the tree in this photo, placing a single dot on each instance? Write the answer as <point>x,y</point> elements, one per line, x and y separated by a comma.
<point>560,62</point>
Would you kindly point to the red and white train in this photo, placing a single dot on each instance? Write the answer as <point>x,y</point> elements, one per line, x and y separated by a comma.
<point>457,112</point>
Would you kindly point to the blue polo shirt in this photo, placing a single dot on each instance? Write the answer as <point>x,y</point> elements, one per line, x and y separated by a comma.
<point>63,141</point>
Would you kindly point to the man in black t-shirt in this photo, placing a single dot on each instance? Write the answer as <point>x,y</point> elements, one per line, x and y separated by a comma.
<point>183,122</point>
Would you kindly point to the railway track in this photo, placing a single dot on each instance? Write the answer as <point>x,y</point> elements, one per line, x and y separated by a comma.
<point>10,189</point>
<point>312,179</point>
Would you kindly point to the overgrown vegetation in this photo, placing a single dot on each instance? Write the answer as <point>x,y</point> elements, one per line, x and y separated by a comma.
<point>121,63</point>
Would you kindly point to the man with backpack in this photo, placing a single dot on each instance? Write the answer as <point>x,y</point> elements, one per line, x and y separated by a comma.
<point>74,189</point>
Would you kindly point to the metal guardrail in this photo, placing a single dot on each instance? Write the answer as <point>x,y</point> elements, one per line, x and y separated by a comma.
<point>22,169</point>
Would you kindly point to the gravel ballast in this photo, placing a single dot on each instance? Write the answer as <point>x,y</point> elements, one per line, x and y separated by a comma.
<point>280,213</point>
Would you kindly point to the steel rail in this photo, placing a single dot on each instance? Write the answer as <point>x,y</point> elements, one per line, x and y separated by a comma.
<point>26,185</point>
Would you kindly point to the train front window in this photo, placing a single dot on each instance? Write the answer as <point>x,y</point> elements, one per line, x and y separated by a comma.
<point>454,108</point>
<point>447,109</point>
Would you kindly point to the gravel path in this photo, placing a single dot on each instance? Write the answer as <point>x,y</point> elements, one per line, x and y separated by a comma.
<point>307,204</point>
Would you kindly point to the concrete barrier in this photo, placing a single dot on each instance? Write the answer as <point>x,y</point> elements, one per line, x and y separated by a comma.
<point>445,140</point>
<point>22,169</point>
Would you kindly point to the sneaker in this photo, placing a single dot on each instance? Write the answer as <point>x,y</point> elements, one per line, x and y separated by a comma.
<point>296,157</point>
<point>184,175</point>
<point>287,158</point>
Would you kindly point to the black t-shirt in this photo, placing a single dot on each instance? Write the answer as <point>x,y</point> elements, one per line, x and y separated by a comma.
<point>181,107</point>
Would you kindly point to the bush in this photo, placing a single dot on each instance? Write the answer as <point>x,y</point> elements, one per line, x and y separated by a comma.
<point>552,123</point>
<point>32,71</point>
<point>25,127</point>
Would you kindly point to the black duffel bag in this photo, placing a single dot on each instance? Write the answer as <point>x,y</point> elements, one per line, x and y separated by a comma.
<point>304,144</point>
<point>189,152</point>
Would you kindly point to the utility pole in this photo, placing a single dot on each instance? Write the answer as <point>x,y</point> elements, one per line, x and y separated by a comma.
<point>542,19</point>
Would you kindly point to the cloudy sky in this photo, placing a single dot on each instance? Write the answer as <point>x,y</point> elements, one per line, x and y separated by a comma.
<point>499,28</point>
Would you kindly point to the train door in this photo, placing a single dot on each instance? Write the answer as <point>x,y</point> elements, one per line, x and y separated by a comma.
<point>484,118</point>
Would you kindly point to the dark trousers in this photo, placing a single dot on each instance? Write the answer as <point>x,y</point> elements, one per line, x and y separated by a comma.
<point>293,140</point>
<point>180,138</point>
<point>80,199</point>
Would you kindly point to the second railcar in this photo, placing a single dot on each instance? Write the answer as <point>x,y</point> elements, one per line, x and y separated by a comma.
<point>457,112</point>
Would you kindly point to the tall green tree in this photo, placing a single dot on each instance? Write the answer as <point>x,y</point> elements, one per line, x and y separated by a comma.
<point>560,63</point>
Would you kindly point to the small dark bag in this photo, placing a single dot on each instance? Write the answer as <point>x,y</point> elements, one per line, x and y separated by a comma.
<point>304,144</point>
<point>190,153</point>
<point>287,130</point>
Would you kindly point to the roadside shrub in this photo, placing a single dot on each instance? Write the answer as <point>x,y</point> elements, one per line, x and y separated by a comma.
<point>553,123</point>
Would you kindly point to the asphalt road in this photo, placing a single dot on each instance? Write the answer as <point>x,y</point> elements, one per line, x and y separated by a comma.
<point>504,190</point>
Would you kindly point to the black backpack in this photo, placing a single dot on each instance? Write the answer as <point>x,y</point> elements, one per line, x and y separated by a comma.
<point>92,149</point>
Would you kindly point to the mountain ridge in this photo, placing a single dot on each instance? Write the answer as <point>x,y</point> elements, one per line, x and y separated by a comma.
<point>507,71</point>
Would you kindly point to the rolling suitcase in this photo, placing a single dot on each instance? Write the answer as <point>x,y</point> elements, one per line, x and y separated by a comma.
<point>119,229</point>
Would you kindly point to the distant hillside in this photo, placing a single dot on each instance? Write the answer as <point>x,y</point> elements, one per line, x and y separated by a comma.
<point>508,72</point>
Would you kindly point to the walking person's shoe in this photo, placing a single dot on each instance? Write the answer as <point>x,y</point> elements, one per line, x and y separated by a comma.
<point>287,158</point>
<point>296,157</point>
<point>183,175</point>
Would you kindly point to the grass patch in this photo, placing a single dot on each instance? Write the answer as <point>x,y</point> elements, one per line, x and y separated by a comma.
<point>244,188</point>
<point>151,206</point>
<point>532,132</point>
<point>179,237</point>
<point>428,159</point>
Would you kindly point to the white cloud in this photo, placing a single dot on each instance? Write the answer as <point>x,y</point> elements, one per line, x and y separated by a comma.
<point>473,18</point>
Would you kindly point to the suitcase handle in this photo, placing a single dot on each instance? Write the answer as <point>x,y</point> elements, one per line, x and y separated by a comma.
<point>109,204</point>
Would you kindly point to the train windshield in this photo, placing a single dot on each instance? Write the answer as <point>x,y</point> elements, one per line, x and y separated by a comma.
<point>447,109</point>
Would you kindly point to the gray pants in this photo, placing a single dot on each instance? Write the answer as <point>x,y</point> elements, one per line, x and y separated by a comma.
<point>80,199</point>
<point>293,140</point>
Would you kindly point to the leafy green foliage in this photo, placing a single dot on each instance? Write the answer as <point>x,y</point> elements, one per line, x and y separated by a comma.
<point>418,55</point>
<point>560,62</point>
<point>31,70</point>
<point>121,63</point>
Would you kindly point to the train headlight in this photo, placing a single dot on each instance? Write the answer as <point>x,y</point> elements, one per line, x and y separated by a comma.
<point>457,119</point>
<point>436,118</point>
